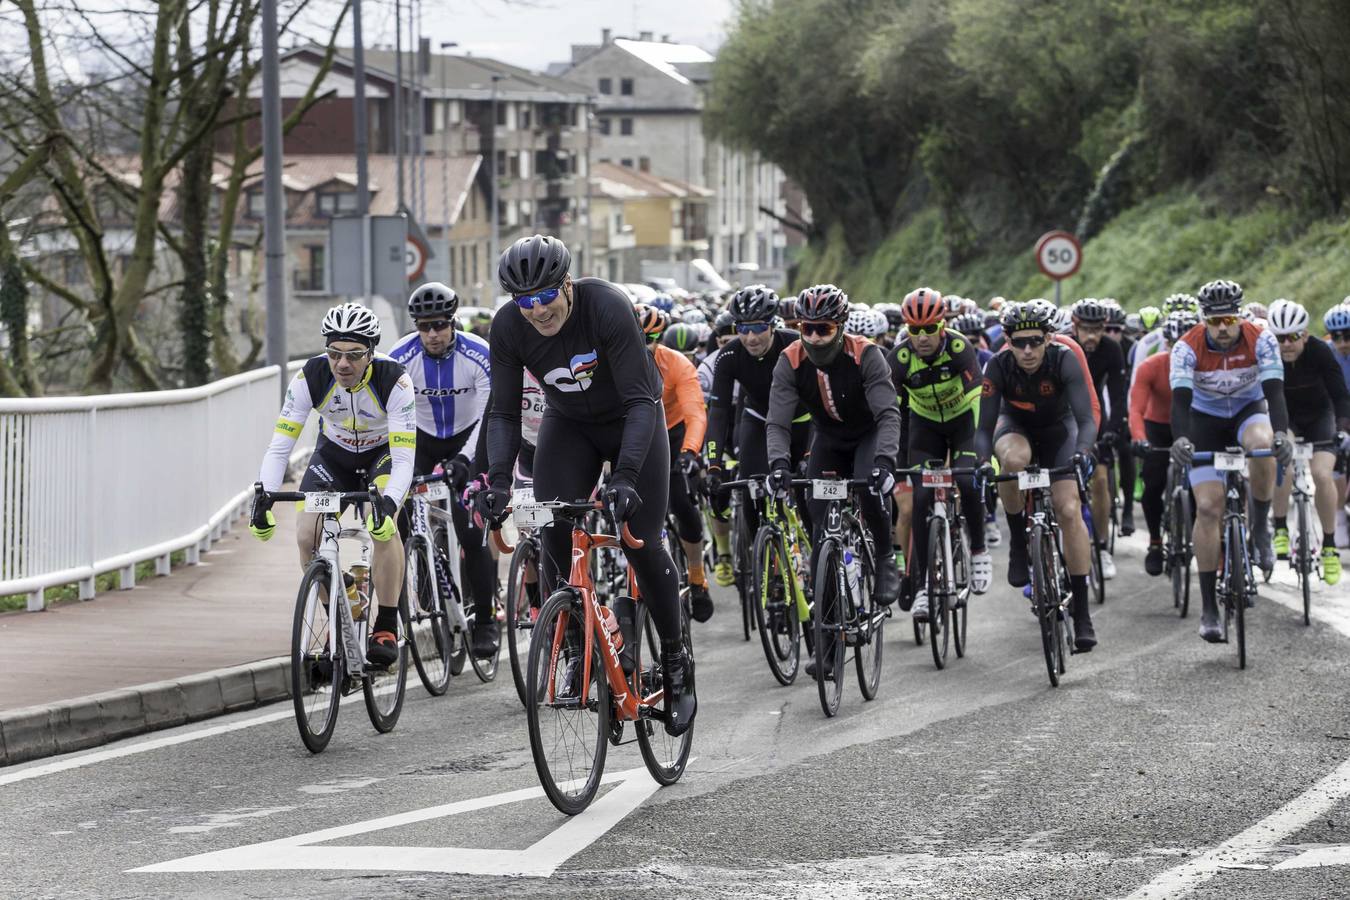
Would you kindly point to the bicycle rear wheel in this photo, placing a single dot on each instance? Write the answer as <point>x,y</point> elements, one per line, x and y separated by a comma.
<point>316,675</point>
<point>871,623</point>
<point>459,641</point>
<point>520,615</point>
<point>1045,592</point>
<point>939,567</point>
<point>961,578</point>
<point>773,596</point>
<point>1304,560</point>
<point>665,756</point>
<point>568,738</point>
<point>828,610</point>
<point>742,562</point>
<point>1235,565</point>
<point>426,622</point>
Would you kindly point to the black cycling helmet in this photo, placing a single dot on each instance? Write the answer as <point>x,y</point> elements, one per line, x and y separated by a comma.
<point>681,336</point>
<point>754,303</point>
<point>1027,316</point>
<point>970,324</point>
<point>1220,297</point>
<point>433,299</point>
<point>822,303</point>
<point>1089,311</point>
<point>533,264</point>
<point>724,324</point>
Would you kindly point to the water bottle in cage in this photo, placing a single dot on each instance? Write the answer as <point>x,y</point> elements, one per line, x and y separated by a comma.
<point>357,582</point>
<point>852,572</point>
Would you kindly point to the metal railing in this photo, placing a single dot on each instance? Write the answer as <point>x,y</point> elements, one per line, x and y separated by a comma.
<point>90,485</point>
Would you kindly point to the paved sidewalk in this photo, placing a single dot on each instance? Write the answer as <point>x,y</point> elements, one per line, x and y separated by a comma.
<point>201,641</point>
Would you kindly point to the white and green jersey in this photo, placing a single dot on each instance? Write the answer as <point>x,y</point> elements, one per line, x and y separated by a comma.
<point>379,410</point>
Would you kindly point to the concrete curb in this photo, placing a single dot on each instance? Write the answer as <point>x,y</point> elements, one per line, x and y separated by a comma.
<point>38,731</point>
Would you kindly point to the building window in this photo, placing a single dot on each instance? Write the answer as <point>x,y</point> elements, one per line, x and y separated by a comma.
<point>603,124</point>
<point>626,87</point>
<point>626,125</point>
<point>336,203</point>
<point>256,206</point>
<point>524,116</point>
<point>501,113</point>
<point>644,163</point>
<point>626,163</point>
<point>309,276</point>
<point>606,86</point>
<point>474,256</point>
<point>428,116</point>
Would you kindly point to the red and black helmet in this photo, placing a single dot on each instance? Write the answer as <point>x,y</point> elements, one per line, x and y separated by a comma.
<point>822,303</point>
<point>651,320</point>
<point>923,306</point>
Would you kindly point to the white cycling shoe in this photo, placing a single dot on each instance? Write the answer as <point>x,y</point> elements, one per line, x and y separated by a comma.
<point>920,608</point>
<point>981,572</point>
<point>1108,566</point>
<point>992,538</point>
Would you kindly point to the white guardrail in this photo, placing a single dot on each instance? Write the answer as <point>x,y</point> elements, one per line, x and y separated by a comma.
<point>97,484</point>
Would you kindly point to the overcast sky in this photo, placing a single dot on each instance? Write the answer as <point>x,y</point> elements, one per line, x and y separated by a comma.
<point>534,33</point>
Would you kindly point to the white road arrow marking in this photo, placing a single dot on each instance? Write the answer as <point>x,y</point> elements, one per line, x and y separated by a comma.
<point>540,860</point>
<point>1321,856</point>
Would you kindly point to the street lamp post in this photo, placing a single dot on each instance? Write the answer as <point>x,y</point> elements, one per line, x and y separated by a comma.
<point>496,224</point>
<point>274,230</point>
<point>445,165</point>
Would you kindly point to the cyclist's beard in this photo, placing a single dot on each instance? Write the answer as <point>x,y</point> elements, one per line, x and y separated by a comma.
<point>823,356</point>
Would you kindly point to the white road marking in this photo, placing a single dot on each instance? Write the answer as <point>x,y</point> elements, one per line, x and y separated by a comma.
<point>338,785</point>
<point>231,819</point>
<point>1321,856</point>
<point>539,860</point>
<point>1251,845</point>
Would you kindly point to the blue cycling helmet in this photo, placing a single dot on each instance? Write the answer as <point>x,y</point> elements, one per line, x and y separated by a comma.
<point>1337,318</point>
<point>663,302</point>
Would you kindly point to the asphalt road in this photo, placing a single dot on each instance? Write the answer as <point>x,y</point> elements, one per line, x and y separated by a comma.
<point>1156,769</point>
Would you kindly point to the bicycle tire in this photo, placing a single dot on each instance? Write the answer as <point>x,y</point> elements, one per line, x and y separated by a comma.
<point>775,606</point>
<point>961,577</point>
<point>561,622</point>
<point>384,689</point>
<point>485,667</point>
<point>829,637</point>
<point>868,651</point>
<point>459,643</point>
<point>1113,488</point>
<point>520,615</point>
<point>1304,565</point>
<point>920,633</point>
<point>313,669</point>
<point>939,624</point>
<point>741,561</point>
<point>1237,587</point>
<point>429,628</point>
<point>1044,592</point>
<point>1181,565</point>
<point>1096,580</point>
<point>664,756</point>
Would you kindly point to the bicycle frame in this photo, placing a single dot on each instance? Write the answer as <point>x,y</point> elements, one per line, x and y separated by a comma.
<point>425,513</point>
<point>352,635</point>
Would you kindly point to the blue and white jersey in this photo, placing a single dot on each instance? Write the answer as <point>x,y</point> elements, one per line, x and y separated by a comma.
<point>452,391</point>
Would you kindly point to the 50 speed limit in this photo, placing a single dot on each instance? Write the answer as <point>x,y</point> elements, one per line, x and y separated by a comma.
<point>1058,254</point>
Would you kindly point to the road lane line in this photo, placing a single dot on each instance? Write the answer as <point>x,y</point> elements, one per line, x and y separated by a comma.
<point>1252,845</point>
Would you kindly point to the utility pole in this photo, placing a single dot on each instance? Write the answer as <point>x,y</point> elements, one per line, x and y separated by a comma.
<point>495,254</point>
<point>589,264</point>
<point>398,97</point>
<point>274,228</point>
<point>362,151</point>
<point>445,166</point>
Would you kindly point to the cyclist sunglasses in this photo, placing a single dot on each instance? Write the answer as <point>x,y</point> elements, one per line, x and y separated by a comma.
<point>1290,338</point>
<point>543,298</point>
<point>823,329</point>
<point>1342,335</point>
<point>438,325</point>
<point>1026,343</point>
<point>752,327</point>
<point>926,329</point>
<point>354,356</point>
<point>1222,320</point>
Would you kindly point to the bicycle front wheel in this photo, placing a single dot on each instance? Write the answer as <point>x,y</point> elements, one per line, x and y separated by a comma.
<point>384,689</point>
<point>774,598</point>
<point>829,609</point>
<point>1304,560</point>
<point>520,614</point>
<point>742,560</point>
<point>665,756</point>
<point>1045,592</point>
<point>1235,565</point>
<point>939,570</point>
<point>1181,552</point>
<point>316,674</point>
<point>1096,580</point>
<point>871,620</point>
<point>961,577</point>
<point>569,732</point>
<point>426,622</point>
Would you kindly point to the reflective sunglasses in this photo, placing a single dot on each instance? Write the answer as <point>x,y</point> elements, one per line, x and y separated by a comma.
<point>1115,329</point>
<point>352,356</point>
<point>1222,320</point>
<point>821,329</point>
<point>438,325</point>
<point>751,327</point>
<point>544,298</point>
<point>1026,343</point>
<point>926,329</point>
<point>1342,335</point>
<point>1290,338</point>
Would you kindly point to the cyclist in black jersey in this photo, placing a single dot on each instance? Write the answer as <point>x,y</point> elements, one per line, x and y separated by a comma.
<point>1126,465</point>
<point>846,385</point>
<point>1038,404</point>
<point>603,395</point>
<point>1106,363</point>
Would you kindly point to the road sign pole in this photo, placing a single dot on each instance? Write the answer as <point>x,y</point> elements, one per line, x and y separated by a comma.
<point>1057,284</point>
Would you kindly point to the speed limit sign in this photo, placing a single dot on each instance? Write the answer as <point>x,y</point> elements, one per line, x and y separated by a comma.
<point>1058,254</point>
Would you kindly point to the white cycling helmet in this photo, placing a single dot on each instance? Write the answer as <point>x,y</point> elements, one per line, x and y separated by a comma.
<point>880,324</point>
<point>1063,321</point>
<point>859,319</point>
<point>1287,317</point>
<point>351,322</point>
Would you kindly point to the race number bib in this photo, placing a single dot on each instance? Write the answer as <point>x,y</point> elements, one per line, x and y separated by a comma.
<point>1027,481</point>
<point>828,489</point>
<point>322,502</point>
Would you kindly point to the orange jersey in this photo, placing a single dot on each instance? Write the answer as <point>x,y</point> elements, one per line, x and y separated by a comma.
<point>682,396</point>
<point>1151,394</point>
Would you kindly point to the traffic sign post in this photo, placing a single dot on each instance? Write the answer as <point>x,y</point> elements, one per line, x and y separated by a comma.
<point>1058,255</point>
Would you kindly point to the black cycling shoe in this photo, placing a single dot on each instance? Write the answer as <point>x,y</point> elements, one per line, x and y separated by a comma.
<point>887,584</point>
<point>700,602</point>
<point>1153,560</point>
<point>1126,524</point>
<point>1084,637</point>
<point>811,671</point>
<point>382,651</point>
<point>1018,576</point>
<point>486,638</point>
<point>1209,622</point>
<point>677,676</point>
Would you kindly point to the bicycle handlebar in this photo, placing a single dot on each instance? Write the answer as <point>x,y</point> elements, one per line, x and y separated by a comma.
<point>572,509</point>
<point>1208,455</point>
<point>371,495</point>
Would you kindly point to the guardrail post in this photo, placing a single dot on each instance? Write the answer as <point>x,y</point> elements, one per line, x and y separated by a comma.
<point>37,600</point>
<point>88,588</point>
<point>163,564</point>
<point>128,577</point>
<point>194,554</point>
